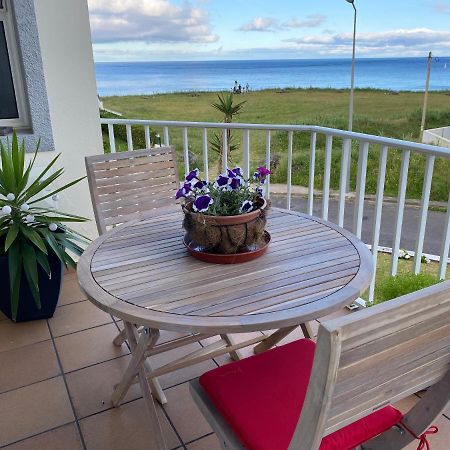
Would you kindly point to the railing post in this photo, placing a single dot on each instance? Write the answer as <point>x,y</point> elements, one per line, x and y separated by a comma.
<point>377,218</point>
<point>246,153</point>
<point>225,150</point>
<point>148,143</point>
<point>205,153</point>
<point>360,188</point>
<point>426,189</point>
<point>186,150</point>
<point>400,210</point>
<point>343,180</point>
<point>112,140</point>
<point>289,169</point>
<point>326,176</point>
<point>268,144</point>
<point>445,244</point>
<point>129,138</point>
<point>312,165</point>
<point>166,136</point>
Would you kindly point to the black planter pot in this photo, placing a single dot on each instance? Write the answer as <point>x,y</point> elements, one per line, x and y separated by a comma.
<point>49,290</point>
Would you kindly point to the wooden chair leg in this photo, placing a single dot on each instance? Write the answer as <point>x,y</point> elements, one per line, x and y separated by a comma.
<point>137,360</point>
<point>120,338</point>
<point>146,340</point>
<point>273,339</point>
<point>235,356</point>
<point>307,330</point>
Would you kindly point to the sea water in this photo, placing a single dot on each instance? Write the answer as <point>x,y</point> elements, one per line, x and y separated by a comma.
<point>395,74</point>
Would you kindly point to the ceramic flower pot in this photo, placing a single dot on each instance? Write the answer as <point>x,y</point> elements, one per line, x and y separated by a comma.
<point>48,288</point>
<point>226,234</point>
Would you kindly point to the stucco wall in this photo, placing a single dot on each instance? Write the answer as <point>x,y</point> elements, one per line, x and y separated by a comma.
<point>69,73</point>
<point>27,36</point>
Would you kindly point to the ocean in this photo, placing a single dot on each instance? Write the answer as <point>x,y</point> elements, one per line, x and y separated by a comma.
<point>128,78</point>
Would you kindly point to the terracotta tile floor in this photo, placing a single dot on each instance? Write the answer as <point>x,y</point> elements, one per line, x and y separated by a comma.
<point>57,376</point>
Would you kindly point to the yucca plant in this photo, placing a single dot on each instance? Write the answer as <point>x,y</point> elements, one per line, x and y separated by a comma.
<point>227,106</point>
<point>30,233</point>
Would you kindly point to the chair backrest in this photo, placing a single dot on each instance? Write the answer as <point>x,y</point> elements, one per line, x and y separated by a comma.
<point>124,185</point>
<point>376,357</point>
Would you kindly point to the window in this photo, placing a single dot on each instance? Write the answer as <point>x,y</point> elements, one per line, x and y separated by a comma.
<point>13,104</point>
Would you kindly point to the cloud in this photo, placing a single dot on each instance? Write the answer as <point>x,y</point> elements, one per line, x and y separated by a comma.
<point>149,21</point>
<point>270,24</point>
<point>441,7</point>
<point>400,42</point>
<point>260,24</point>
<point>312,21</point>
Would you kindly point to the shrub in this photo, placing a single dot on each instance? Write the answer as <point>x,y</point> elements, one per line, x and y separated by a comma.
<point>399,285</point>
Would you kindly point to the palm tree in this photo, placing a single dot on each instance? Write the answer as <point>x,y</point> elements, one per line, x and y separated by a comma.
<point>229,109</point>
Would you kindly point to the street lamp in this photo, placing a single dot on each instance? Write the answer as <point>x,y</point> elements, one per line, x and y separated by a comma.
<point>352,88</point>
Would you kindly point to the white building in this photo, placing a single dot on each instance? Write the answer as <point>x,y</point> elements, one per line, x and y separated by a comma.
<point>48,88</point>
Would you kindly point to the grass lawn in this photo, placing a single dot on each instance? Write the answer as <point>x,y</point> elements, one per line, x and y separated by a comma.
<point>377,112</point>
<point>404,267</point>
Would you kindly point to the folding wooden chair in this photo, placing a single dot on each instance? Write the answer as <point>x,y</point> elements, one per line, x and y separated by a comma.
<point>337,395</point>
<point>126,185</point>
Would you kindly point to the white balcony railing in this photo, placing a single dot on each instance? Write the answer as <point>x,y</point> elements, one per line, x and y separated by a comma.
<point>366,143</point>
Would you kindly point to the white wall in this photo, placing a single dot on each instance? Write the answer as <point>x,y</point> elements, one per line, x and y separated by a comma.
<point>69,73</point>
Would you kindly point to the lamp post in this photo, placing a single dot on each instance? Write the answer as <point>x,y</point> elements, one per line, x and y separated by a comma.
<point>352,86</point>
<point>352,91</point>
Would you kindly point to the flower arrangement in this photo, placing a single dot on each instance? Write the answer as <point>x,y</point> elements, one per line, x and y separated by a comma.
<point>229,194</point>
<point>227,215</point>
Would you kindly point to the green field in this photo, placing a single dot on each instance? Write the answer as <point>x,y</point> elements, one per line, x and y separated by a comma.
<point>377,112</point>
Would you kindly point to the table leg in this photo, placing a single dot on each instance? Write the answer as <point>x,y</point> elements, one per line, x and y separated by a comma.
<point>139,341</point>
<point>273,339</point>
<point>120,338</point>
<point>307,330</point>
<point>280,334</point>
<point>235,356</point>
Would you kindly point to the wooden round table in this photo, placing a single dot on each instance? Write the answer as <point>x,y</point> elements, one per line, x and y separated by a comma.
<point>141,273</point>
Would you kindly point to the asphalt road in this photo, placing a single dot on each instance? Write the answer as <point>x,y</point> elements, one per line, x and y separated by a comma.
<point>434,231</point>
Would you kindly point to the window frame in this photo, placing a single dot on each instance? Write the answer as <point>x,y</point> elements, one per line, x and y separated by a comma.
<point>15,59</point>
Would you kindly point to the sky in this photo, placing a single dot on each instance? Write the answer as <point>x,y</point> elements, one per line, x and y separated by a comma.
<point>176,30</point>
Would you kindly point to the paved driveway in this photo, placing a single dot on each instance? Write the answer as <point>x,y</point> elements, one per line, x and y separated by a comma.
<point>433,234</point>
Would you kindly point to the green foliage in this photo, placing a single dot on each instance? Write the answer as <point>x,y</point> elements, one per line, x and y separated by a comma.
<point>120,134</point>
<point>229,109</point>
<point>399,285</point>
<point>377,112</point>
<point>29,232</point>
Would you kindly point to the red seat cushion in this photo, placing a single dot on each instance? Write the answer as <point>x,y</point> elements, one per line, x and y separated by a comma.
<point>261,399</point>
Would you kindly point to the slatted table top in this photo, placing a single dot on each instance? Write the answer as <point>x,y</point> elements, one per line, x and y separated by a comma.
<point>141,272</point>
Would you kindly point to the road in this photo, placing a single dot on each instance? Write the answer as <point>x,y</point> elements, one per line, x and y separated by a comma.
<point>433,234</point>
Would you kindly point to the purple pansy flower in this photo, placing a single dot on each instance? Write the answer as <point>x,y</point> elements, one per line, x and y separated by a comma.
<point>222,181</point>
<point>199,184</point>
<point>202,203</point>
<point>263,171</point>
<point>236,172</point>
<point>260,191</point>
<point>192,175</point>
<point>236,183</point>
<point>183,191</point>
<point>246,206</point>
